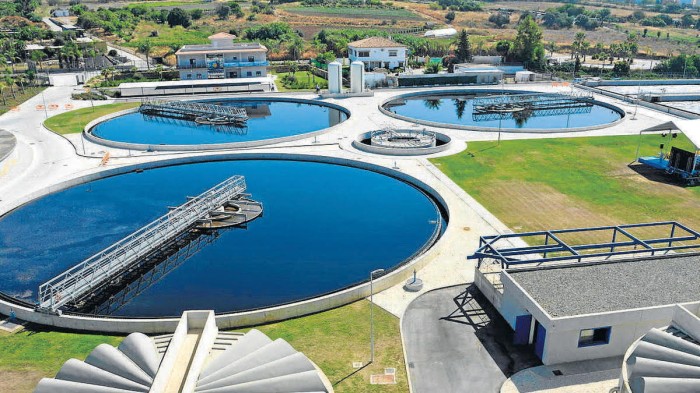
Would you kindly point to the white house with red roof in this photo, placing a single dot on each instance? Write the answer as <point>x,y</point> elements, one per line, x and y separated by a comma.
<point>378,52</point>
<point>222,58</point>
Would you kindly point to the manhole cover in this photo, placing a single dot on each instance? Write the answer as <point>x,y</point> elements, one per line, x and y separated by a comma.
<point>356,364</point>
<point>390,371</point>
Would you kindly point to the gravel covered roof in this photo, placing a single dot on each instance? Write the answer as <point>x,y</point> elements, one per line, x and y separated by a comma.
<point>620,285</point>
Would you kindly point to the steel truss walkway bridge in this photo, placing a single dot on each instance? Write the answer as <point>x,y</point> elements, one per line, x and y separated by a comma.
<point>530,105</point>
<point>232,129</point>
<point>127,253</point>
<point>587,244</point>
<point>204,113</point>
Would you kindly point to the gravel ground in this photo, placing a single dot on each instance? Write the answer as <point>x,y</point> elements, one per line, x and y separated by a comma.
<point>621,285</point>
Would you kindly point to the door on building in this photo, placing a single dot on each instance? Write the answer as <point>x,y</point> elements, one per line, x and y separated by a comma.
<point>522,329</point>
<point>539,339</point>
<point>233,74</point>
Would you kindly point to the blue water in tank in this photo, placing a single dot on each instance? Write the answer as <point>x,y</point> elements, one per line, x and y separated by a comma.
<point>267,119</point>
<point>324,227</point>
<point>458,109</point>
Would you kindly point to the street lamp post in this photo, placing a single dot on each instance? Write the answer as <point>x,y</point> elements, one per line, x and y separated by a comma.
<point>371,314</point>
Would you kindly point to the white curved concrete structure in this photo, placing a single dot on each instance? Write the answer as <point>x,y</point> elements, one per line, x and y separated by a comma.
<point>192,362</point>
<point>665,360</point>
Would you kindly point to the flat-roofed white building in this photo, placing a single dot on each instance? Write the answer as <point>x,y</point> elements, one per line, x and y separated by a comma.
<point>378,52</point>
<point>590,301</point>
<point>222,58</point>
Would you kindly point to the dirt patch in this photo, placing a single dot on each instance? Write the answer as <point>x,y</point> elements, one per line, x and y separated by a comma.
<point>19,381</point>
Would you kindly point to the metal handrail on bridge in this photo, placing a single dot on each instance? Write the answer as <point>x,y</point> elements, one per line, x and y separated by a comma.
<point>194,110</point>
<point>102,266</point>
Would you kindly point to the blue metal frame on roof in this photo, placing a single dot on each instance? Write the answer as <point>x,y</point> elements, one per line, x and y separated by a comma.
<point>677,240</point>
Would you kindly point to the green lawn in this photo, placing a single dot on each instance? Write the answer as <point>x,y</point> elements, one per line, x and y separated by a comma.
<point>8,101</point>
<point>571,182</point>
<point>30,355</point>
<point>331,339</point>
<point>355,12</point>
<point>74,121</point>
<point>306,81</point>
<point>335,338</point>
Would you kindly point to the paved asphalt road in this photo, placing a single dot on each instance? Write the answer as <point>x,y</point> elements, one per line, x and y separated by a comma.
<point>456,342</point>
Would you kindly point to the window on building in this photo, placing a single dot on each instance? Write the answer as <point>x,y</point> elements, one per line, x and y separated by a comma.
<point>251,58</point>
<point>249,73</point>
<point>597,336</point>
<point>193,62</point>
<point>363,53</point>
<point>258,73</point>
<point>189,76</point>
<point>393,53</point>
<point>199,76</point>
<point>235,58</point>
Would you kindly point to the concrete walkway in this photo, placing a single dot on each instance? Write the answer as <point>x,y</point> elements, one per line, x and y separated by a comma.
<point>456,342</point>
<point>7,144</point>
<point>591,376</point>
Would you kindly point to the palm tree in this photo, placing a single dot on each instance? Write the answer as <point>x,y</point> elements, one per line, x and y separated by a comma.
<point>37,56</point>
<point>9,82</point>
<point>145,48</point>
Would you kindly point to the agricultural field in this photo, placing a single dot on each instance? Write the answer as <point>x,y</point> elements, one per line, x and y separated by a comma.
<point>571,182</point>
<point>355,12</point>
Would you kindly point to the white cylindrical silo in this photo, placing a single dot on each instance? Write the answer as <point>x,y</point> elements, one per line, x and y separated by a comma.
<point>335,77</point>
<point>357,76</point>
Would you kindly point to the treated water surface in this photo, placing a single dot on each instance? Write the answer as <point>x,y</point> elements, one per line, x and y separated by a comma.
<point>324,227</point>
<point>267,119</point>
<point>459,110</point>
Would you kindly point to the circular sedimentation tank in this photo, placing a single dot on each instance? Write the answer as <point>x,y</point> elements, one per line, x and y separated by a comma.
<point>269,120</point>
<point>510,110</point>
<point>324,227</point>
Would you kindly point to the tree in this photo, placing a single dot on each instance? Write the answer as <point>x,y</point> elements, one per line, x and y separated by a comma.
<point>236,9</point>
<point>450,16</point>
<point>528,43</point>
<point>645,32</point>
<point>37,56</point>
<point>551,47</point>
<point>179,17</point>
<point>464,50</point>
<point>159,70</point>
<point>196,14</point>
<point>296,48</point>
<point>503,48</point>
<point>433,68</point>
<point>145,48</point>
<point>576,45</point>
<point>499,19</point>
<point>658,34</point>
<point>223,11</point>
